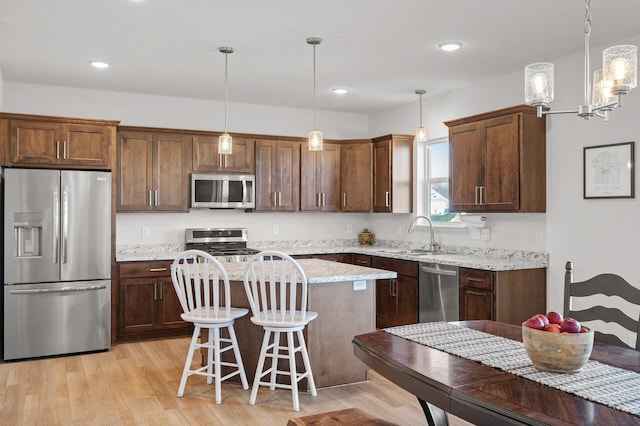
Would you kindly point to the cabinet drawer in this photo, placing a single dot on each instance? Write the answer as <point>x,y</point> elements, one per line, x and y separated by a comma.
<point>402,267</point>
<point>144,269</point>
<point>476,278</point>
<point>362,260</point>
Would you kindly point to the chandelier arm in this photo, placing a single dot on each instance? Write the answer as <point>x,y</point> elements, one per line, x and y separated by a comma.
<point>567,111</point>
<point>606,107</point>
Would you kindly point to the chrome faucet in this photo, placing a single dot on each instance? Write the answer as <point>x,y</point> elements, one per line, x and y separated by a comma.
<point>432,245</point>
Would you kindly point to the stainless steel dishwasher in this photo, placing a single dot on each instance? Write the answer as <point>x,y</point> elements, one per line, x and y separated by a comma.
<point>438,293</point>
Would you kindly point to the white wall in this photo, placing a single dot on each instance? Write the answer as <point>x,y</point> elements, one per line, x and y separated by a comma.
<point>596,235</point>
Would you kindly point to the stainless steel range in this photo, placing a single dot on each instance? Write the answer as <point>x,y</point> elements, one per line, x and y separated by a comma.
<point>226,244</point>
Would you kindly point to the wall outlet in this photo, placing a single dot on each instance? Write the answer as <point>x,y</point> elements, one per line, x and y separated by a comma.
<point>485,234</point>
<point>146,233</point>
<point>349,229</point>
<point>276,230</point>
<point>359,285</point>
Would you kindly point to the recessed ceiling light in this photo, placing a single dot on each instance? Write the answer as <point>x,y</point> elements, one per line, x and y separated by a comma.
<point>450,46</point>
<point>340,90</point>
<point>99,64</point>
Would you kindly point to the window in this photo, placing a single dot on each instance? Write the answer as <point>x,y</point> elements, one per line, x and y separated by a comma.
<point>433,175</point>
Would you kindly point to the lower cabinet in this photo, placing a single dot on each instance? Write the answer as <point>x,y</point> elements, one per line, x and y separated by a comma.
<point>148,306</point>
<point>503,296</point>
<point>334,257</point>
<point>397,298</point>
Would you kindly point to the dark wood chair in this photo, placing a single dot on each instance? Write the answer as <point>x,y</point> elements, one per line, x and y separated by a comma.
<point>608,285</point>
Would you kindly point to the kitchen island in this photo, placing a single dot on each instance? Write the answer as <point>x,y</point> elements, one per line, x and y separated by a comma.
<point>344,297</point>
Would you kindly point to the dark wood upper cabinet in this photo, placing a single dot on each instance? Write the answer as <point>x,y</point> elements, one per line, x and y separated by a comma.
<point>207,159</point>
<point>277,175</point>
<point>498,162</point>
<point>59,142</point>
<point>153,171</point>
<point>320,178</point>
<point>356,177</point>
<point>393,174</point>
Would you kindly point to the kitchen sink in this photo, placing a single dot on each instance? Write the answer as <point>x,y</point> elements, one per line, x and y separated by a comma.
<point>415,252</point>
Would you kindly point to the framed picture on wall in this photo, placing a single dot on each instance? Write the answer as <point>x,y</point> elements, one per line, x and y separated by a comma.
<point>609,171</point>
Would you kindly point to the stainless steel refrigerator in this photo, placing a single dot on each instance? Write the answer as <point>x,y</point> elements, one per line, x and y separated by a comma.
<point>57,262</point>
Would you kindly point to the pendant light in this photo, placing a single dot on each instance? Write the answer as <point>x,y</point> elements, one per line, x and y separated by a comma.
<point>315,136</point>
<point>225,145</point>
<point>421,133</point>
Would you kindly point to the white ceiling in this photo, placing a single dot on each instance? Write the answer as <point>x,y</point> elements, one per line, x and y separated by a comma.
<point>382,49</point>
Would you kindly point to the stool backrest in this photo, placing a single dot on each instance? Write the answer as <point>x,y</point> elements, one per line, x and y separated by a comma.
<point>201,282</point>
<point>276,287</point>
<point>622,316</point>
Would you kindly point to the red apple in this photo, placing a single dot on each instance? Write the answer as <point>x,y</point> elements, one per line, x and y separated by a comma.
<point>554,317</point>
<point>570,325</point>
<point>544,319</point>
<point>553,328</point>
<point>534,322</point>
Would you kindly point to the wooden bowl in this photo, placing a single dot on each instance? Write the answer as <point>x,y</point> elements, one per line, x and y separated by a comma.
<point>557,352</point>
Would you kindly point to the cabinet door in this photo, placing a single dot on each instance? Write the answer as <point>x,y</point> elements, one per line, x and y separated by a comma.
<point>169,310</point>
<point>356,180</point>
<point>135,158</point>
<point>171,172</point>
<point>407,295</point>
<point>362,260</point>
<point>277,175</point>
<point>382,176</point>
<point>320,179</point>
<point>86,145</point>
<point>35,142</point>
<point>386,303</point>
<point>207,159</point>
<point>476,304</point>
<point>137,311</point>
<point>467,159</point>
<point>502,172</point>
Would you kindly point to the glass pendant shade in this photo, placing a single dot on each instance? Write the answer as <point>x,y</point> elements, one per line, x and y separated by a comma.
<point>602,90</point>
<point>316,142</point>
<point>620,66</point>
<point>421,134</point>
<point>225,145</point>
<point>538,84</point>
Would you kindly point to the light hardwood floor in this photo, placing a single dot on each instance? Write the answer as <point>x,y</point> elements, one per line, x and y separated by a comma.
<point>136,384</point>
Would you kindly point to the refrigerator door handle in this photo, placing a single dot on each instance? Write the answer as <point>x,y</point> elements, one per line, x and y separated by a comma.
<point>58,290</point>
<point>56,227</point>
<point>65,222</point>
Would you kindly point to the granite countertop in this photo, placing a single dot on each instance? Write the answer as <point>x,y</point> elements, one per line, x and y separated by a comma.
<point>477,258</point>
<point>321,271</point>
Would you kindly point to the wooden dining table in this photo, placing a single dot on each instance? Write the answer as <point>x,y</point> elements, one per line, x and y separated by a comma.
<point>485,395</point>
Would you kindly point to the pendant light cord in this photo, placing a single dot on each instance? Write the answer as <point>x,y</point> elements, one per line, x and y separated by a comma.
<point>226,90</point>
<point>420,109</point>
<point>315,121</point>
<point>587,69</point>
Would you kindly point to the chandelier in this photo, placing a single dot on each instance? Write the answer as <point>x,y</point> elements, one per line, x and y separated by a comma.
<point>421,133</point>
<point>616,78</point>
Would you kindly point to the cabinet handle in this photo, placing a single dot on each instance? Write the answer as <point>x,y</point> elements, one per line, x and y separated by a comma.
<point>157,269</point>
<point>475,195</point>
<point>220,160</point>
<point>161,291</point>
<point>64,150</point>
<point>57,150</point>
<point>344,199</point>
<point>323,199</point>
<point>275,200</point>
<point>150,201</point>
<point>279,198</point>
<point>477,293</point>
<point>475,280</point>
<point>155,291</point>
<point>317,199</point>
<point>482,188</point>
<point>156,197</point>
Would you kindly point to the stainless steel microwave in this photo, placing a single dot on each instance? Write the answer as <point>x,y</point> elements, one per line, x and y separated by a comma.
<point>220,191</point>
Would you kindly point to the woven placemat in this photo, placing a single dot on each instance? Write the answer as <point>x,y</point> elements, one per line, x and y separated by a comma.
<point>612,386</point>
